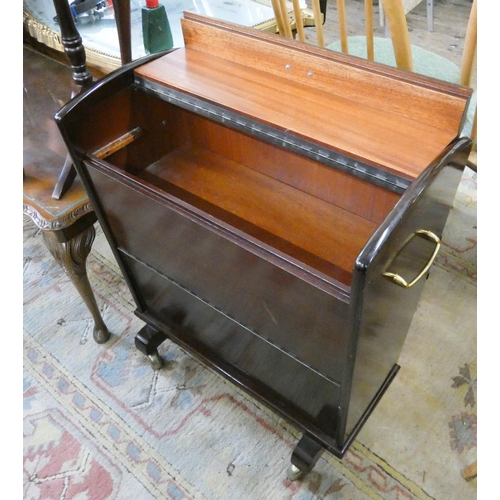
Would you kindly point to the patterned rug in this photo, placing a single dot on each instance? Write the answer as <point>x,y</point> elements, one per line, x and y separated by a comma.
<point>99,423</point>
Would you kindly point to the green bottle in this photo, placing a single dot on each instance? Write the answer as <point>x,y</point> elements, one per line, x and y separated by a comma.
<point>156,30</point>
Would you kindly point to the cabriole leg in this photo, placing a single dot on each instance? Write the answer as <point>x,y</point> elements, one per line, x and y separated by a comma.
<point>72,256</point>
<point>304,457</point>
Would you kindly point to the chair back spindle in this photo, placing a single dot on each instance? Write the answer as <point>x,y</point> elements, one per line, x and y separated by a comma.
<point>286,19</point>
<point>281,17</point>
<point>299,22</point>
<point>394,11</point>
<point>470,46</point>
<point>396,20</point>
<point>318,22</point>
<point>342,19</point>
<point>370,46</point>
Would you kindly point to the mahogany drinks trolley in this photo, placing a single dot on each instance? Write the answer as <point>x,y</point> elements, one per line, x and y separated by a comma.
<point>275,209</point>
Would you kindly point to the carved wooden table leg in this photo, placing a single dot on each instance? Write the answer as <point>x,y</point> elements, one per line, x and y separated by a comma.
<point>72,256</point>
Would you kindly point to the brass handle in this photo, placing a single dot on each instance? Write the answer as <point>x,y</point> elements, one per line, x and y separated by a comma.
<point>398,279</point>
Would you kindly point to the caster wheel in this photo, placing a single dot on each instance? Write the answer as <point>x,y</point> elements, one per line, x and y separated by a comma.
<point>156,361</point>
<point>294,473</point>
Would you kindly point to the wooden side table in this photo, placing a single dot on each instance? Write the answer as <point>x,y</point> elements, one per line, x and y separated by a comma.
<point>67,224</point>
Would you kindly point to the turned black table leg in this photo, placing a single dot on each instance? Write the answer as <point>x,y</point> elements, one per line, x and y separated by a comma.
<point>72,43</point>
<point>75,51</point>
<point>147,341</point>
<point>304,457</point>
<point>72,255</point>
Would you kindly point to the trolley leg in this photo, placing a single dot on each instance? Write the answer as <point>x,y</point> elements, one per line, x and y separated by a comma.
<point>304,457</point>
<point>147,341</point>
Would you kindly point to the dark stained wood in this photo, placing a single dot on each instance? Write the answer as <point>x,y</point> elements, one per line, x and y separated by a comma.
<point>72,43</point>
<point>265,261</point>
<point>75,51</point>
<point>380,337</point>
<point>123,26</point>
<point>286,383</point>
<point>227,269</point>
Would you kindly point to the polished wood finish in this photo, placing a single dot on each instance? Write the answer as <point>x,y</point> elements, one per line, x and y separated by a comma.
<point>245,226</point>
<point>395,13</point>
<point>332,120</point>
<point>72,255</point>
<point>255,82</point>
<point>309,229</point>
<point>304,457</point>
<point>67,225</point>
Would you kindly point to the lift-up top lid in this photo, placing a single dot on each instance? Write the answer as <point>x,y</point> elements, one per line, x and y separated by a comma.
<point>393,120</point>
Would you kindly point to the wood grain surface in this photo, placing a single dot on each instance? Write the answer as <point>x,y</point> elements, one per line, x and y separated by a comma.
<point>395,120</point>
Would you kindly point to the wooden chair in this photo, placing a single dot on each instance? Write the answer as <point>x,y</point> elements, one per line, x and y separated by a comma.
<point>396,51</point>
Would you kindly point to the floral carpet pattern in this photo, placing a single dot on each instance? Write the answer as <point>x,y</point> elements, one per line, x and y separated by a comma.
<point>99,423</point>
